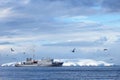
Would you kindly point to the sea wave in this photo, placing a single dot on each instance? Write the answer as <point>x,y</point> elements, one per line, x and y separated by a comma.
<point>73,62</point>
<point>84,62</point>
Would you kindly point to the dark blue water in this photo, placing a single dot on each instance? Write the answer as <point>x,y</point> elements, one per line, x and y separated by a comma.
<point>60,73</point>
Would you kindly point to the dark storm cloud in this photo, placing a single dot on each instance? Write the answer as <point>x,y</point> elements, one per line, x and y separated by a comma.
<point>45,9</point>
<point>82,3</point>
<point>40,14</point>
<point>5,43</point>
<point>111,5</point>
<point>74,3</point>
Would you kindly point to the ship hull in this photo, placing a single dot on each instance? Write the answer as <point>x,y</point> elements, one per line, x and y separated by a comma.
<point>58,64</point>
<point>40,65</point>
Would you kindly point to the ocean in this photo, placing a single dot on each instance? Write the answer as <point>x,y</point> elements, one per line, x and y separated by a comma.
<point>60,73</point>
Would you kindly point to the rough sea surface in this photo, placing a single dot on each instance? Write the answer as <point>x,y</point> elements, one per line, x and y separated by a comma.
<point>60,73</point>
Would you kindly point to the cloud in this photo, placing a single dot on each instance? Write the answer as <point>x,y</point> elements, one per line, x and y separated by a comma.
<point>42,17</point>
<point>26,1</point>
<point>82,3</point>
<point>84,39</point>
<point>68,19</point>
<point>85,62</point>
<point>106,4</point>
<point>13,2</point>
<point>6,12</point>
<point>5,43</point>
<point>73,43</point>
<point>9,9</point>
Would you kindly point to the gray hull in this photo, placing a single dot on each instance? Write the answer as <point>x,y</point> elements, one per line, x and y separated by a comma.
<point>44,62</point>
<point>40,65</point>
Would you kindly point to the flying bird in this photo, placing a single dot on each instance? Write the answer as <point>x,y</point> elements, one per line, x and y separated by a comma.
<point>73,50</point>
<point>24,53</point>
<point>12,50</point>
<point>105,49</point>
<point>111,59</point>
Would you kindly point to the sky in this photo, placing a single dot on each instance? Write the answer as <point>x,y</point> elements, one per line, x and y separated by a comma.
<point>53,28</point>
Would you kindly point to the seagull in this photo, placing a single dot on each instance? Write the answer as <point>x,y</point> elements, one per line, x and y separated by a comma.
<point>73,50</point>
<point>105,49</point>
<point>24,53</point>
<point>111,59</point>
<point>12,50</point>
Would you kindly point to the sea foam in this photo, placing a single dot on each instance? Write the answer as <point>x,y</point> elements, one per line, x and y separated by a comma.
<point>73,62</point>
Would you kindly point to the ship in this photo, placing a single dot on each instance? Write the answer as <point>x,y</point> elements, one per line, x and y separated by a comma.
<point>43,63</point>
